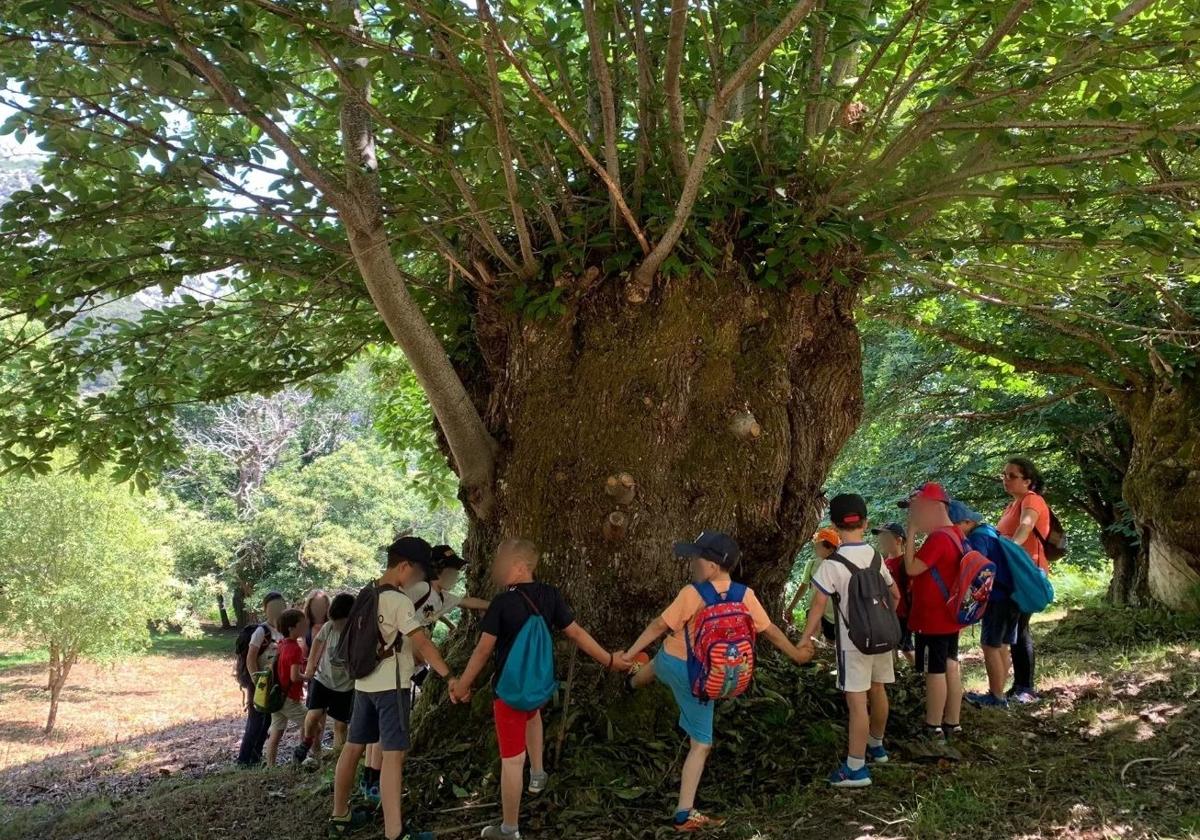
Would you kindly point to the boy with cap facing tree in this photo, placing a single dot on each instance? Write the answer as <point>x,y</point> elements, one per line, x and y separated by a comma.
<point>382,699</point>
<point>998,629</point>
<point>890,540</point>
<point>934,625</point>
<point>825,542</point>
<point>862,677</point>
<point>711,558</point>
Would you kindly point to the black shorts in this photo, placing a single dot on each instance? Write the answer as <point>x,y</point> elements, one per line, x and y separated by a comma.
<point>999,625</point>
<point>337,704</point>
<point>933,652</point>
<point>906,636</point>
<point>828,629</point>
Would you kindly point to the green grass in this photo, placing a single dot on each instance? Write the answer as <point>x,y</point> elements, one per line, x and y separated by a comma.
<point>16,659</point>
<point>210,643</point>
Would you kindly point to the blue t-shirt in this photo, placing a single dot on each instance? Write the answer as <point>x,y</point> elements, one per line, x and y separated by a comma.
<point>986,541</point>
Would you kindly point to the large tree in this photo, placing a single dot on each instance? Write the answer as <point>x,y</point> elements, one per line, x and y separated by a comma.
<point>619,242</point>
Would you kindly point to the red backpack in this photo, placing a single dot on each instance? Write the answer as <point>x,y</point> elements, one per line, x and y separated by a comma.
<point>968,599</point>
<point>721,657</point>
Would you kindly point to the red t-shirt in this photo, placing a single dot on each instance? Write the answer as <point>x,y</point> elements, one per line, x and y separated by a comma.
<point>929,613</point>
<point>895,565</point>
<point>290,653</point>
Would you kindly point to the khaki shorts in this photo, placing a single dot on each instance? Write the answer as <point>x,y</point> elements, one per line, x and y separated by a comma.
<point>293,711</point>
<point>857,670</point>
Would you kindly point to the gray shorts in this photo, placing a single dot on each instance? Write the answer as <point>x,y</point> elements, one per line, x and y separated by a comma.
<point>381,716</point>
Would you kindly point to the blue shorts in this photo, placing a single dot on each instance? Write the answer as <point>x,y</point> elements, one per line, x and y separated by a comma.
<point>381,716</point>
<point>999,624</point>
<point>695,717</point>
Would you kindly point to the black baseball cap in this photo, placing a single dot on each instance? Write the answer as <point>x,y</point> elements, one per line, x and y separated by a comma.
<point>895,527</point>
<point>445,557</point>
<point>413,549</point>
<point>848,510</point>
<point>711,545</point>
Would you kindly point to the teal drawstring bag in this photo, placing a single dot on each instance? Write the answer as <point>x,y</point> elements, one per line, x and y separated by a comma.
<point>527,682</point>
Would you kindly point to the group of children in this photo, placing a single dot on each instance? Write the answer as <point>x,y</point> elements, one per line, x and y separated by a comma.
<point>710,629</point>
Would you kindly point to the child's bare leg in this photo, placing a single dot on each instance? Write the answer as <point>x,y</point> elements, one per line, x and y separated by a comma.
<point>343,777</point>
<point>643,677</point>
<point>273,745</point>
<point>693,769</point>
<point>512,779</point>
<point>318,733</point>
<point>374,756</point>
<point>935,699</point>
<point>877,700</point>
<point>856,702</point>
<point>535,743</point>
<point>954,693</point>
<point>340,731</point>
<point>391,789</point>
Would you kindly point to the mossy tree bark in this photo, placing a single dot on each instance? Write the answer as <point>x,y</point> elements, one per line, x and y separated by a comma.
<point>716,404</point>
<point>1162,486</point>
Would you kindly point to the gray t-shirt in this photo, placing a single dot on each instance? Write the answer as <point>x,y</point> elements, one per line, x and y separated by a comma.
<point>330,673</point>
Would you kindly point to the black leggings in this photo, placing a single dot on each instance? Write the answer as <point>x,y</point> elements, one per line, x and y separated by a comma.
<point>1022,655</point>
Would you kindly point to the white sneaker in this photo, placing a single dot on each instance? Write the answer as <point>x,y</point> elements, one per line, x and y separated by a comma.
<point>537,782</point>
<point>495,832</point>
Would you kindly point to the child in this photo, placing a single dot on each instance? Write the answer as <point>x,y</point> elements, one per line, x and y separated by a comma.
<point>934,625</point>
<point>825,543</point>
<point>519,733</point>
<point>382,700</point>
<point>862,677</point>
<point>998,629</point>
<point>711,558</point>
<point>890,541</point>
<point>330,688</point>
<point>435,599</point>
<point>289,668</point>
<point>260,656</point>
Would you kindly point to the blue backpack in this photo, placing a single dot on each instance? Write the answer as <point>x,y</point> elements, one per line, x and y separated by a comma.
<point>527,682</point>
<point>1032,591</point>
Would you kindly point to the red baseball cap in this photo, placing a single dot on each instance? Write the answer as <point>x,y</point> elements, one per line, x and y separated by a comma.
<point>931,490</point>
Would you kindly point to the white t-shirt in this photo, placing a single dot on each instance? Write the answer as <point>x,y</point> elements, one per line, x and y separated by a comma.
<point>435,604</point>
<point>396,615</point>
<point>833,577</point>
<point>266,652</point>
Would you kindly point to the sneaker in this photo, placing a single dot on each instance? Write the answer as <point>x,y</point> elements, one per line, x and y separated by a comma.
<point>1024,697</point>
<point>698,822</point>
<point>311,763</point>
<point>877,754</point>
<point>414,834</point>
<point>844,777</point>
<point>986,700</point>
<point>347,825</point>
<point>371,794</point>
<point>497,832</point>
<point>537,782</point>
<point>300,753</point>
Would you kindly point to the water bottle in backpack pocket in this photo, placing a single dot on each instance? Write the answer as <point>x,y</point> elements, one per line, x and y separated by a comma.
<point>721,656</point>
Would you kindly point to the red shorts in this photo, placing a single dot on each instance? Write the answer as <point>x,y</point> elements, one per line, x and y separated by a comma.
<point>510,728</point>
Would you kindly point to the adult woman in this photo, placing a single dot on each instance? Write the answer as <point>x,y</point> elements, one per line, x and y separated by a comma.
<point>1026,521</point>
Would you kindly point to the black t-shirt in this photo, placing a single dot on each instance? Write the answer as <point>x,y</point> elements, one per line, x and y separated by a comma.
<point>510,610</point>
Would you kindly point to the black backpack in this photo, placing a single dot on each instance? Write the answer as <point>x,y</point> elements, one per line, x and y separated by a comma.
<point>362,647</point>
<point>869,614</point>
<point>241,649</point>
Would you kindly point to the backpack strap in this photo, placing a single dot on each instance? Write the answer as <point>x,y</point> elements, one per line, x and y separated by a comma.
<point>736,593</point>
<point>421,601</point>
<point>934,574</point>
<point>708,593</point>
<point>528,600</point>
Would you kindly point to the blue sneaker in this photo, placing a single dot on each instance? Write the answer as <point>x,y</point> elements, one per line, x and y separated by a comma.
<point>986,700</point>
<point>844,777</point>
<point>877,754</point>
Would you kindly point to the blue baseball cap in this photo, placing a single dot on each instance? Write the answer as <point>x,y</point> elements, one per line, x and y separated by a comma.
<point>711,545</point>
<point>962,512</point>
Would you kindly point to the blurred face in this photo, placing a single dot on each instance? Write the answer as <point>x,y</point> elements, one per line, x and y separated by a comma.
<point>274,610</point>
<point>448,579</point>
<point>926,514</point>
<point>502,568</point>
<point>1015,482</point>
<point>320,607</point>
<point>702,569</point>
<point>300,629</point>
<point>889,544</point>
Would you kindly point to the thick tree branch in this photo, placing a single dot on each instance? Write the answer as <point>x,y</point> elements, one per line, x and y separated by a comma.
<point>614,189</point>
<point>643,277</point>
<point>671,74</point>
<point>470,444</point>
<point>1025,408</point>
<point>608,108</point>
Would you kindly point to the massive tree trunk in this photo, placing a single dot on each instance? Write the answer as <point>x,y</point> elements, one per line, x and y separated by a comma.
<point>724,402</point>
<point>1162,486</point>
<point>1130,557</point>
